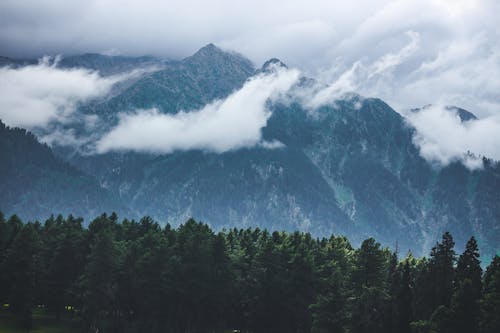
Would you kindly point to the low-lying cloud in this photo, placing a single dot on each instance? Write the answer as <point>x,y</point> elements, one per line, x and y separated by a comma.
<point>443,138</point>
<point>36,95</point>
<point>440,135</point>
<point>220,126</point>
<point>360,76</point>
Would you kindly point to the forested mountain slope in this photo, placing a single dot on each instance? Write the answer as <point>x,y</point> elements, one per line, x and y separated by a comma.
<point>350,167</point>
<point>34,181</point>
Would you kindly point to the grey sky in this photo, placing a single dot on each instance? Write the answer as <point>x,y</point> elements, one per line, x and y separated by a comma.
<point>457,38</point>
<point>408,52</point>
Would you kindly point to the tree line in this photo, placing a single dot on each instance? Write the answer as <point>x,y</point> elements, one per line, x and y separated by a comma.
<point>137,276</point>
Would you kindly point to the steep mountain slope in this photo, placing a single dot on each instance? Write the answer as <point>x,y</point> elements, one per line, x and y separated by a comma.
<point>463,114</point>
<point>109,65</point>
<point>348,168</point>
<point>36,184</point>
<point>364,151</point>
<point>188,84</point>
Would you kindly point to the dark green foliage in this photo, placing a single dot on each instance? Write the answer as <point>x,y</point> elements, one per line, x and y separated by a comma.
<point>334,270</point>
<point>402,299</point>
<point>100,283</point>
<point>490,302</point>
<point>441,272</point>
<point>441,320</point>
<point>22,270</point>
<point>468,286</point>
<point>370,288</point>
<point>141,277</point>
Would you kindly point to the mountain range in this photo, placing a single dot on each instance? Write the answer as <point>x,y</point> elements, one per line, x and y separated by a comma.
<point>350,168</point>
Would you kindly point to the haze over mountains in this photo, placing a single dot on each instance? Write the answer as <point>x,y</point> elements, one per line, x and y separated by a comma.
<point>201,138</point>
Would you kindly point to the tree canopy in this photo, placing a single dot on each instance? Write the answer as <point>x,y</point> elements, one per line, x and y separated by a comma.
<point>139,276</point>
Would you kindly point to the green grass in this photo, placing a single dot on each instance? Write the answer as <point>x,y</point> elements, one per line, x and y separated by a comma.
<point>42,323</point>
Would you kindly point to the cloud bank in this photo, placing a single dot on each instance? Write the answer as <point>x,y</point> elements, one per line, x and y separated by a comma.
<point>223,125</point>
<point>409,53</point>
<point>360,76</point>
<point>35,95</point>
<point>443,138</point>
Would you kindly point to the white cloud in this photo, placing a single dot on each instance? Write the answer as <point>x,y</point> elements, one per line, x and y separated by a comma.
<point>443,138</point>
<point>455,37</point>
<point>63,137</point>
<point>220,126</point>
<point>36,95</point>
<point>448,49</point>
<point>360,76</point>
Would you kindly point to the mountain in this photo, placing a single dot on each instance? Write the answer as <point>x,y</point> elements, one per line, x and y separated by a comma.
<point>348,168</point>
<point>35,183</point>
<point>15,63</point>
<point>186,85</point>
<point>364,151</point>
<point>109,65</point>
<point>463,114</point>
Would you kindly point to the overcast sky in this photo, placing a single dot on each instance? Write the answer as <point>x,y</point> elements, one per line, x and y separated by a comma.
<point>408,52</point>
<point>455,58</point>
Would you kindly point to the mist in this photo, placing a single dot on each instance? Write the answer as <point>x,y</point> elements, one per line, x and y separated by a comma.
<point>36,95</point>
<point>222,125</point>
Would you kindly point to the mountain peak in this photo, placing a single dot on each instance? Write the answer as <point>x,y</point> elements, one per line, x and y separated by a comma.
<point>208,49</point>
<point>273,63</point>
<point>216,60</point>
<point>463,114</point>
<point>211,53</point>
<point>271,66</point>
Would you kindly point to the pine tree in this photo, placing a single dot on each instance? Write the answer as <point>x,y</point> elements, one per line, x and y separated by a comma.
<point>329,311</point>
<point>394,283</point>
<point>99,281</point>
<point>370,292</point>
<point>442,272</point>
<point>404,301</point>
<point>490,302</point>
<point>3,251</point>
<point>468,286</point>
<point>22,262</point>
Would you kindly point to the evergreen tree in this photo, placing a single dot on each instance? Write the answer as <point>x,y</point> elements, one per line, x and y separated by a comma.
<point>404,301</point>
<point>3,251</point>
<point>423,292</point>
<point>63,262</point>
<point>394,284</point>
<point>370,290</point>
<point>468,286</point>
<point>99,283</point>
<point>490,302</point>
<point>138,277</point>
<point>441,320</point>
<point>23,272</point>
<point>330,312</point>
<point>442,272</point>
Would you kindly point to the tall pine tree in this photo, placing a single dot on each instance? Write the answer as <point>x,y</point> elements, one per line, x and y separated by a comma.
<point>490,302</point>
<point>468,286</point>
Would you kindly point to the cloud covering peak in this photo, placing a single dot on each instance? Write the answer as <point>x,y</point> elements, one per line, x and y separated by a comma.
<point>443,137</point>
<point>454,40</point>
<point>222,125</point>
